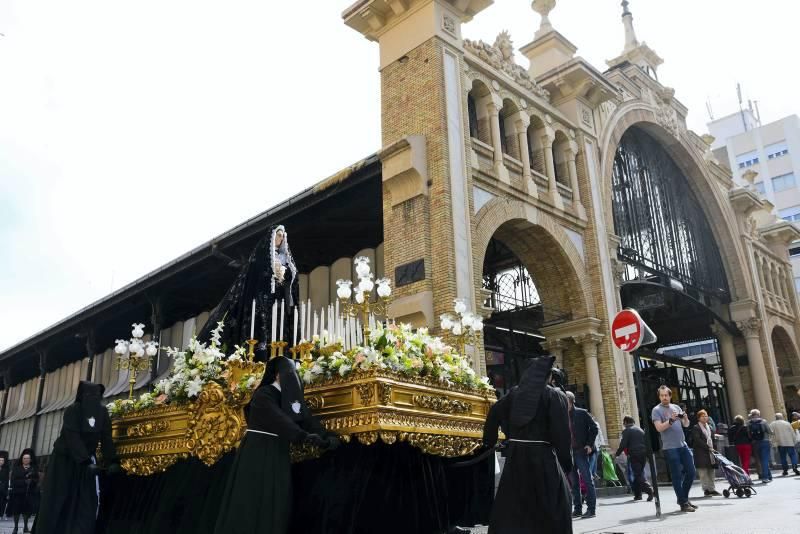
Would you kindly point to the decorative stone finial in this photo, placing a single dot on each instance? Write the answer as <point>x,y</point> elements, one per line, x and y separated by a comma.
<point>543,8</point>
<point>630,34</point>
<point>504,44</point>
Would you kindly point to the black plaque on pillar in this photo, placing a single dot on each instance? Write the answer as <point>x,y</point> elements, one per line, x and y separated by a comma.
<point>409,273</point>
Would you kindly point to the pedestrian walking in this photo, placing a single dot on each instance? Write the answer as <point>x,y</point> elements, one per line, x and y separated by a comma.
<point>760,432</point>
<point>632,443</point>
<point>704,461</point>
<point>533,495</point>
<point>784,437</point>
<point>740,438</point>
<point>584,433</point>
<point>669,420</point>
<point>5,475</point>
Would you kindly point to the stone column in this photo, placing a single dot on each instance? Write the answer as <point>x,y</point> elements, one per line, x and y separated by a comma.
<point>588,344</point>
<point>572,153</point>
<point>521,124</point>
<point>550,168</point>
<point>751,328</point>
<point>733,381</point>
<point>556,348</point>
<point>494,121</point>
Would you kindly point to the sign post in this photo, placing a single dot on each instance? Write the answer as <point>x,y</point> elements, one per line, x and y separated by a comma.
<point>629,332</point>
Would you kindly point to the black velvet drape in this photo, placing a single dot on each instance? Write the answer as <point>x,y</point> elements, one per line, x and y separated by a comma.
<point>356,489</point>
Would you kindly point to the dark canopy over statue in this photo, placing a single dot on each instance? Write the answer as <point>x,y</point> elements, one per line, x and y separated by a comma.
<point>270,275</point>
<point>71,489</point>
<point>533,495</point>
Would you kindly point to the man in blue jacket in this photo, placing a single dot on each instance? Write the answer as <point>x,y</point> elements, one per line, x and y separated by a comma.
<point>584,431</point>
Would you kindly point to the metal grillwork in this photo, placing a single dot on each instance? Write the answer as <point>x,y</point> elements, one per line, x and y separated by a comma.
<point>511,289</point>
<point>662,226</point>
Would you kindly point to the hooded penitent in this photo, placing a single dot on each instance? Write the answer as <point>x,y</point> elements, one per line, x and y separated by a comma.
<point>533,383</point>
<point>291,388</point>
<point>93,413</point>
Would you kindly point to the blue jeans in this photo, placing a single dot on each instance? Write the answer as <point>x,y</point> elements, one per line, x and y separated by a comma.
<point>762,448</point>
<point>788,452</point>
<point>681,469</point>
<point>582,467</point>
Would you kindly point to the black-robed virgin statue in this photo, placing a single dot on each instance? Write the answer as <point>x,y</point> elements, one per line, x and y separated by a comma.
<point>270,276</point>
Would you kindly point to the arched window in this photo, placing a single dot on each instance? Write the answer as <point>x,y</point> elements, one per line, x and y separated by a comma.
<point>535,145</point>
<point>472,111</point>
<point>662,227</point>
<point>560,147</point>
<point>508,137</point>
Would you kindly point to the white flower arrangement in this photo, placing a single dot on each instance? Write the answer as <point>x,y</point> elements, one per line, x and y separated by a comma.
<point>192,369</point>
<point>399,349</point>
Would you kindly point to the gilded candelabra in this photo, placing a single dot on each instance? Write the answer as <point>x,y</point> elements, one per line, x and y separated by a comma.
<point>360,306</point>
<point>135,355</point>
<point>465,328</point>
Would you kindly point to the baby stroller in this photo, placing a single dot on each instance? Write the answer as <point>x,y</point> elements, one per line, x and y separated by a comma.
<point>740,482</point>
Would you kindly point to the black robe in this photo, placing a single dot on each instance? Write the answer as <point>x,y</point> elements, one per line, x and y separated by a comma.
<point>255,281</point>
<point>70,493</point>
<point>534,495</point>
<point>258,493</point>
<point>24,498</point>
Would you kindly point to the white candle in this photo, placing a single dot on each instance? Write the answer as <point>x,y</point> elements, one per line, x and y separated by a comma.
<point>309,332</point>
<point>280,336</point>
<point>274,320</point>
<point>338,320</point>
<point>303,320</point>
<point>253,320</point>
<point>294,337</point>
<point>314,329</point>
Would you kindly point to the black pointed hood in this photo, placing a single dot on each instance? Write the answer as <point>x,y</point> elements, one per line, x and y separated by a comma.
<point>530,389</point>
<point>89,400</point>
<point>292,401</point>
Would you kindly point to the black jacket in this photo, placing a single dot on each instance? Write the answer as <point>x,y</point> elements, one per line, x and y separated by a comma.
<point>738,434</point>
<point>632,441</point>
<point>22,481</point>
<point>584,429</point>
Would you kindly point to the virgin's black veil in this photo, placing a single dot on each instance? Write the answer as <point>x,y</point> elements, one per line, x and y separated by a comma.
<point>255,281</point>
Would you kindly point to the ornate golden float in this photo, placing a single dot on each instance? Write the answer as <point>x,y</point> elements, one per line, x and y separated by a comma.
<point>379,404</point>
<point>148,441</point>
<point>368,406</point>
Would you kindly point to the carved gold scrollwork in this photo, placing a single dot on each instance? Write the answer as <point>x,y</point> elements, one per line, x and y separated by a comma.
<point>366,392</point>
<point>447,446</point>
<point>442,404</point>
<point>147,428</point>
<point>215,426</point>
<point>386,393</point>
<point>388,437</point>
<point>367,438</point>
<point>149,465</point>
<point>315,402</point>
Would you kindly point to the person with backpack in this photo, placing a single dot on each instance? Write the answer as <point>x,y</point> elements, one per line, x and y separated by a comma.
<point>760,432</point>
<point>740,438</point>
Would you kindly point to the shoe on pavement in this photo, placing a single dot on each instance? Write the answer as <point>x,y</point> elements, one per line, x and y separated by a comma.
<point>650,496</point>
<point>692,505</point>
<point>588,515</point>
<point>687,508</point>
<point>785,474</point>
<point>639,498</point>
<point>796,472</point>
<point>714,493</point>
<point>577,513</point>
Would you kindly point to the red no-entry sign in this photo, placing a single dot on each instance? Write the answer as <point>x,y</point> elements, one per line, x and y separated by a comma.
<point>627,330</point>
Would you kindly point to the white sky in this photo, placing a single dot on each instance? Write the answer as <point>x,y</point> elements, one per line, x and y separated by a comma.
<point>131,132</point>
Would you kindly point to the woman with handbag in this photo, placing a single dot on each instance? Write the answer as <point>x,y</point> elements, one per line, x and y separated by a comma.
<point>703,445</point>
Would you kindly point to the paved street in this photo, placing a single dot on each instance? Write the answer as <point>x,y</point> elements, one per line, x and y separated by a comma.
<point>775,510</point>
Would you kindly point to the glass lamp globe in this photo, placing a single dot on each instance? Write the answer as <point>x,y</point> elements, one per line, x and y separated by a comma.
<point>360,297</point>
<point>362,266</point>
<point>460,306</point>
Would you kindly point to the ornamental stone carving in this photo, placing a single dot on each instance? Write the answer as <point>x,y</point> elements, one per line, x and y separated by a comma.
<point>750,327</point>
<point>500,55</point>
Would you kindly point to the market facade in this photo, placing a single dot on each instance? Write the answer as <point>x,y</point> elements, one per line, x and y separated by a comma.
<point>548,198</point>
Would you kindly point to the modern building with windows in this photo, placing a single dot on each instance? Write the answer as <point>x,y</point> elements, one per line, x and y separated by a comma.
<point>772,151</point>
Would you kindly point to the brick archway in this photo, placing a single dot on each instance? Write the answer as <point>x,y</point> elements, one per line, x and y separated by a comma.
<point>545,249</point>
<point>711,193</point>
